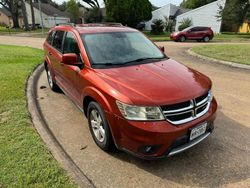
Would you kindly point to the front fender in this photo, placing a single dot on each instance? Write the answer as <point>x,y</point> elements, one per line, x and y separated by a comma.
<point>98,97</point>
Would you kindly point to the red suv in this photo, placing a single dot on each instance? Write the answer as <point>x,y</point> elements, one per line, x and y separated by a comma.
<point>135,98</point>
<point>204,34</point>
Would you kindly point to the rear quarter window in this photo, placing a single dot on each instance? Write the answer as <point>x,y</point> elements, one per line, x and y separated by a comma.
<point>50,37</point>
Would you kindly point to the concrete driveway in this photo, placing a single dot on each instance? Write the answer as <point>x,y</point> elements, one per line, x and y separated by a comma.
<point>221,160</point>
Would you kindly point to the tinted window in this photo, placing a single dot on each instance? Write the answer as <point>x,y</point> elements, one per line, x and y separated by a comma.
<point>50,37</point>
<point>58,39</point>
<point>194,29</point>
<point>199,29</point>
<point>70,44</point>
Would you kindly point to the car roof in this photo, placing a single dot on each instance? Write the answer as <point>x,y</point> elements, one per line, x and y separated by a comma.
<point>95,28</point>
<point>104,29</point>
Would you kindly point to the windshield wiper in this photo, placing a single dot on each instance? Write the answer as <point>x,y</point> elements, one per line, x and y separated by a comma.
<point>143,59</point>
<point>105,64</point>
<point>133,61</point>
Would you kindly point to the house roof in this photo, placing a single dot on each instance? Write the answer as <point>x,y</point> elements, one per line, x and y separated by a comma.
<point>218,2</point>
<point>50,10</point>
<point>181,11</point>
<point>5,12</point>
<point>173,10</point>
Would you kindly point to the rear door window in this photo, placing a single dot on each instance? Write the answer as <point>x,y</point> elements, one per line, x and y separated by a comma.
<point>58,40</point>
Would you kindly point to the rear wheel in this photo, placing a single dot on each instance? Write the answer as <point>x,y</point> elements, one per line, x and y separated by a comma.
<point>182,39</point>
<point>206,39</point>
<point>53,86</point>
<point>99,127</point>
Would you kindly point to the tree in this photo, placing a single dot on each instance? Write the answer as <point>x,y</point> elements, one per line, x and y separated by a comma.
<point>93,15</point>
<point>185,23</point>
<point>235,13</point>
<point>73,9</point>
<point>157,27</point>
<point>92,3</point>
<point>32,15</point>
<point>128,12</point>
<point>12,7</point>
<point>169,25</point>
<point>24,13</point>
<point>192,4</point>
<point>63,6</point>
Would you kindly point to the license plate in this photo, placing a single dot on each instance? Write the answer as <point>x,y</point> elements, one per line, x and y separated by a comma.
<point>197,131</point>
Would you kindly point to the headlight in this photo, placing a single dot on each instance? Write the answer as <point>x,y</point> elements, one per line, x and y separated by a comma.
<point>210,95</point>
<point>140,113</point>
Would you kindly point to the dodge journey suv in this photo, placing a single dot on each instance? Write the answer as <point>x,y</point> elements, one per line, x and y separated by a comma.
<point>135,98</point>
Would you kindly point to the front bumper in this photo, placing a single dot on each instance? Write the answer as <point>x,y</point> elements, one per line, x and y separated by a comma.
<point>174,37</point>
<point>164,138</point>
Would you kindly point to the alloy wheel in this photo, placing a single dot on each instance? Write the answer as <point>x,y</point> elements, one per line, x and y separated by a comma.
<point>50,79</point>
<point>206,39</point>
<point>97,125</point>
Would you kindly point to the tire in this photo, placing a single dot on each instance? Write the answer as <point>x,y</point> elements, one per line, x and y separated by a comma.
<point>206,39</point>
<point>182,39</point>
<point>99,127</point>
<point>53,86</point>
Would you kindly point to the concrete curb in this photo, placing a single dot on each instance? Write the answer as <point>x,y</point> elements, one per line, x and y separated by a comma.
<point>228,63</point>
<point>48,137</point>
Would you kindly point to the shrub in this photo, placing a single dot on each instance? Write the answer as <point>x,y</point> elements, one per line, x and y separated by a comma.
<point>2,24</point>
<point>169,25</point>
<point>157,27</point>
<point>185,23</point>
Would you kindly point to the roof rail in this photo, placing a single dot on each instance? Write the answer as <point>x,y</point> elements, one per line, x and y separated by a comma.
<point>69,24</point>
<point>111,24</point>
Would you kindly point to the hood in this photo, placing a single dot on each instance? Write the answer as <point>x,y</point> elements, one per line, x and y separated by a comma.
<point>160,83</point>
<point>175,33</point>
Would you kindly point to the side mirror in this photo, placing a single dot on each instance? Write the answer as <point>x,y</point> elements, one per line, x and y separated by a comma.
<point>162,48</point>
<point>69,59</point>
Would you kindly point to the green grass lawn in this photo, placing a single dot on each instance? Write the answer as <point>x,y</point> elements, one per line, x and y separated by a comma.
<point>239,53</point>
<point>24,159</point>
<point>230,37</point>
<point>6,31</point>
<point>158,38</point>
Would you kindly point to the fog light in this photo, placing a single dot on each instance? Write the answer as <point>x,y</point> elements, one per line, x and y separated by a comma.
<point>148,149</point>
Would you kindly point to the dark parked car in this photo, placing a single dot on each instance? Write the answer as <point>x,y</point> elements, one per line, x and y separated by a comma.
<point>204,34</point>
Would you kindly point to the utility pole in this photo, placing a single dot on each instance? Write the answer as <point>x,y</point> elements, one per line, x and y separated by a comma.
<point>41,16</point>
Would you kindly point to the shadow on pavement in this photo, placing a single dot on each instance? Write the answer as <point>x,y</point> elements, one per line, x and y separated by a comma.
<point>221,159</point>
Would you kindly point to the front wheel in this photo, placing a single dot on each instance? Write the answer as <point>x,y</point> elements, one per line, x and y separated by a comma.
<point>206,39</point>
<point>182,39</point>
<point>99,127</point>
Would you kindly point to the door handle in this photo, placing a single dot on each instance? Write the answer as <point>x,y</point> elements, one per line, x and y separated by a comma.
<point>50,53</point>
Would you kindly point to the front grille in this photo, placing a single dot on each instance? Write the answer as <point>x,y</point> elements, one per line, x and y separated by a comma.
<point>187,111</point>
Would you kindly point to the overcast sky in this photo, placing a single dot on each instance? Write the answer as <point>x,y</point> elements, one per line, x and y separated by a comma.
<point>158,3</point>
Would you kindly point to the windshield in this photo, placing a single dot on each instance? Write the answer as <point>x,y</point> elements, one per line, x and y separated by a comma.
<point>120,48</point>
